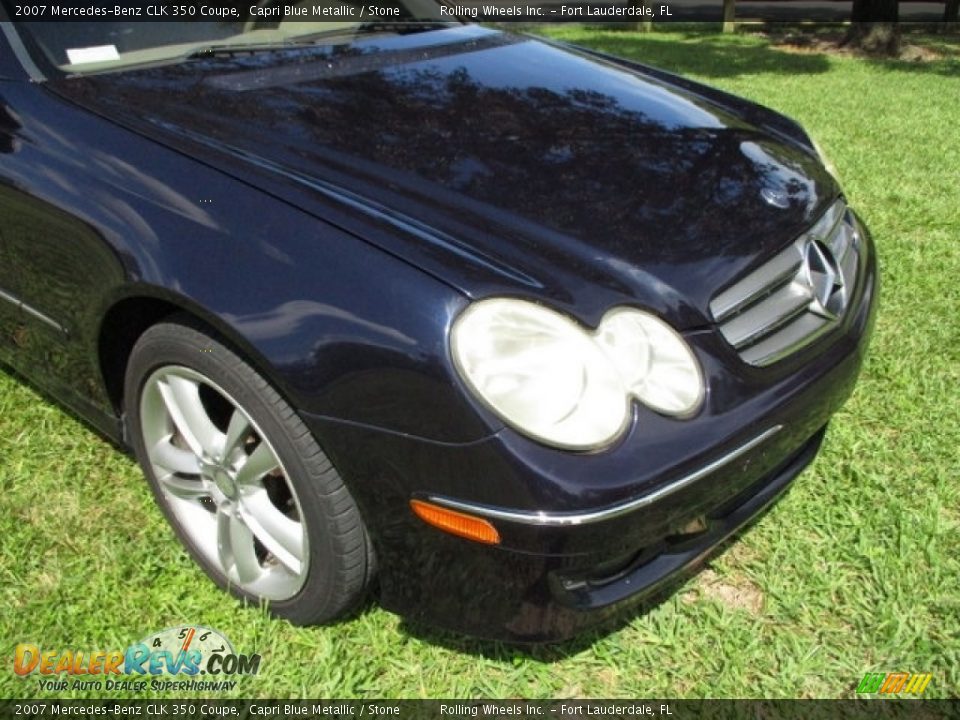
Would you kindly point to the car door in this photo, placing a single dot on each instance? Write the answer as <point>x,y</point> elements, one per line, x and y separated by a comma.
<point>53,259</point>
<point>12,329</point>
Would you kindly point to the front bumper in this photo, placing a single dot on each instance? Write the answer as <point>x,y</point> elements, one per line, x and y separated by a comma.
<point>580,541</point>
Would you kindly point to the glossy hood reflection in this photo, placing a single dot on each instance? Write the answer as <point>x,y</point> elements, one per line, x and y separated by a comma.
<point>574,173</point>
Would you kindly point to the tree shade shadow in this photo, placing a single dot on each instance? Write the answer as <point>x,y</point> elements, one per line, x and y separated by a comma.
<point>925,49</point>
<point>946,67</point>
<point>782,49</point>
<point>712,56</point>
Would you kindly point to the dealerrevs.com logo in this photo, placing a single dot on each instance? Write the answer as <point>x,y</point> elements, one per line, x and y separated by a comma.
<point>182,652</point>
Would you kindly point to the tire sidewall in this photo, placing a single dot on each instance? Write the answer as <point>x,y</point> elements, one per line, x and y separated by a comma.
<point>314,480</point>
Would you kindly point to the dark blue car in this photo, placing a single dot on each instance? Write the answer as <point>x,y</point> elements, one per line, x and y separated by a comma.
<point>507,331</point>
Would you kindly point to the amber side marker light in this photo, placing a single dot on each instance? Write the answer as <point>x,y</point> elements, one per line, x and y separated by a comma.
<point>456,523</point>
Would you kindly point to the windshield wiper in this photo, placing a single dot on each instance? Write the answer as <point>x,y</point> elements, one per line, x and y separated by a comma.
<point>300,41</point>
<point>401,27</point>
<point>231,49</point>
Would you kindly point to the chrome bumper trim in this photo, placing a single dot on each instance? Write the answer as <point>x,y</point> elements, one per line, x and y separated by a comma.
<point>527,517</point>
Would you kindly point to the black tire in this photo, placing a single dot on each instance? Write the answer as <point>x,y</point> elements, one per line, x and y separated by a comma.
<point>340,563</point>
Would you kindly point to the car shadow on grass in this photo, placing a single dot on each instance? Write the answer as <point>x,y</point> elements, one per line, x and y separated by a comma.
<point>510,652</point>
<point>500,651</point>
<point>50,399</point>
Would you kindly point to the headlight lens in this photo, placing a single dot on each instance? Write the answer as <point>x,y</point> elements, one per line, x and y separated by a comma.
<point>654,362</point>
<point>557,382</point>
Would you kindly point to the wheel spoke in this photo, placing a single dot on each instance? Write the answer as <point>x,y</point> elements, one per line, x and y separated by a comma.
<point>237,430</point>
<point>260,462</point>
<point>174,459</point>
<point>235,546</point>
<point>279,534</point>
<point>218,474</point>
<point>182,398</point>
<point>184,488</point>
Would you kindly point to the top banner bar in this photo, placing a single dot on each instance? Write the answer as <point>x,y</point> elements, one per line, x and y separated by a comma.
<point>385,11</point>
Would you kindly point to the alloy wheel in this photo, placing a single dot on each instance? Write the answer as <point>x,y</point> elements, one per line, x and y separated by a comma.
<point>224,483</point>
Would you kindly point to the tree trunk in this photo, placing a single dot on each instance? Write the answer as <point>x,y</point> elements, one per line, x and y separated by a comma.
<point>950,11</point>
<point>875,11</point>
<point>874,28</point>
<point>641,25</point>
<point>729,13</point>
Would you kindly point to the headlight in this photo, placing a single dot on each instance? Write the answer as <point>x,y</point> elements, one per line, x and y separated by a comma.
<point>559,383</point>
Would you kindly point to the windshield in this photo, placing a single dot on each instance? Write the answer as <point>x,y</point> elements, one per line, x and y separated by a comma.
<point>86,47</point>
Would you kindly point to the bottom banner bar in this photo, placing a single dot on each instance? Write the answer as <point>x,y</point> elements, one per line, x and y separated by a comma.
<point>455,709</point>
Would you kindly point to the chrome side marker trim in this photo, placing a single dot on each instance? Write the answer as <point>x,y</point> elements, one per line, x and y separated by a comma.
<point>32,311</point>
<point>591,516</point>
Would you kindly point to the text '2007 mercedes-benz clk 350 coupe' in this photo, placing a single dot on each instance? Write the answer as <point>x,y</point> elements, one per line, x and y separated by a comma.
<point>509,330</point>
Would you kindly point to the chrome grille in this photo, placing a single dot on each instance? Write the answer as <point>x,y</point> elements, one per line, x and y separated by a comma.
<point>796,296</point>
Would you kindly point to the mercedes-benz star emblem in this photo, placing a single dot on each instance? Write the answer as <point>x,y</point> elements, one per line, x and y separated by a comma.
<point>826,281</point>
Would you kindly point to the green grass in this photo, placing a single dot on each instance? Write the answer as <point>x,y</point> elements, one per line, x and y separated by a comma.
<point>855,570</point>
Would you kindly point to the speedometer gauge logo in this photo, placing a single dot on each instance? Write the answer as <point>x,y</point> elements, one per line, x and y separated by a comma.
<point>191,650</point>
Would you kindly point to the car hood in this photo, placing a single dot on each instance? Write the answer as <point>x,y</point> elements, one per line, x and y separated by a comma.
<point>495,162</point>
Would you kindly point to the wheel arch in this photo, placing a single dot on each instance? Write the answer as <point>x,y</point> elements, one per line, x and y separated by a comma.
<point>128,317</point>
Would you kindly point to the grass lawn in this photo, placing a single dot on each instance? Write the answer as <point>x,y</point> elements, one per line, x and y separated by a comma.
<point>856,570</point>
